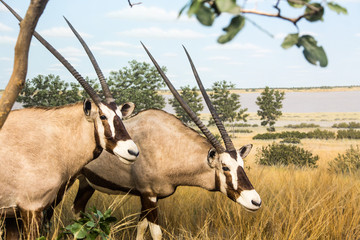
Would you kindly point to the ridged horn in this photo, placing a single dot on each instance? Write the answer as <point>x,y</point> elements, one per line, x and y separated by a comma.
<point>109,98</point>
<point>227,141</point>
<point>69,67</point>
<point>216,144</point>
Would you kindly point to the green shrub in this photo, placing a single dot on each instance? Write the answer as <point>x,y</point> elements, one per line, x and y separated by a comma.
<point>321,134</point>
<point>283,154</point>
<point>292,140</point>
<point>350,134</point>
<point>347,125</point>
<point>303,125</point>
<point>346,163</point>
<point>91,226</point>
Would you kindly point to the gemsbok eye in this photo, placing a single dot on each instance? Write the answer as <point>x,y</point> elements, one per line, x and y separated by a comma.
<point>103,117</point>
<point>226,169</point>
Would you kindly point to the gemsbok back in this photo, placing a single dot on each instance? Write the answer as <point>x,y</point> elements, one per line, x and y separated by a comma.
<point>172,155</point>
<point>44,148</point>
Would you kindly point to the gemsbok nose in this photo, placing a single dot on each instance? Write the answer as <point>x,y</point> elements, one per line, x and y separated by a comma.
<point>258,204</point>
<point>134,153</point>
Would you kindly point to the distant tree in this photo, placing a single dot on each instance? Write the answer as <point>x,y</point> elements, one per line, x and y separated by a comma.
<point>227,104</point>
<point>270,103</point>
<point>139,83</point>
<point>48,91</point>
<point>192,98</point>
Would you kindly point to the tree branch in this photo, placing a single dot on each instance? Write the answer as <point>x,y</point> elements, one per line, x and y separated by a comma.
<point>17,79</point>
<point>132,4</point>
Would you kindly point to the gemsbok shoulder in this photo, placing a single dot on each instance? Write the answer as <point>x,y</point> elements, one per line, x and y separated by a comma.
<point>172,155</point>
<point>44,148</point>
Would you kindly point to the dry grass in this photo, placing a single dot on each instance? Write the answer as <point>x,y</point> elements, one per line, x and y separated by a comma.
<point>297,203</point>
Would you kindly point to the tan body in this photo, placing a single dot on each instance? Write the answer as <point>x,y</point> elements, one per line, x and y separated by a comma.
<point>172,155</point>
<point>40,151</point>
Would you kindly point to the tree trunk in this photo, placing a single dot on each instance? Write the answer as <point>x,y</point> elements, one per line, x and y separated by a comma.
<point>17,79</point>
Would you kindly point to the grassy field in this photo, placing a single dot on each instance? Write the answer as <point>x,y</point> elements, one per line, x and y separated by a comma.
<point>297,203</point>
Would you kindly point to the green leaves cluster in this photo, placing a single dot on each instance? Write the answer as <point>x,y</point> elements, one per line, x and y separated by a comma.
<point>227,104</point>
<point>283,155</point>
<point>312,52</point>
<point>192,98</point>
<point>270,103</point>
<point>48,91</point>
<point>139,83</point>
<point>349,162</point>
<point>92,225</point>
<point>206,11</point>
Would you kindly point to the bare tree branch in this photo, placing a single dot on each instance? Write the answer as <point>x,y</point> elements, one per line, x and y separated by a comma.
<point>17,79</point>
<point>132,4</point>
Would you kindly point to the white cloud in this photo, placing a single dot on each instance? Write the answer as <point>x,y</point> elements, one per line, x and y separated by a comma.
<point>141,13</point>
<point>115,53</point>
<point>72,52</point>
<point>6,59</point>
<point>116,44</point>
<point>3,8</point>
<point>7,39</point>
<point>170,54</point>
<point>155,32</point>
<point>61,32</point>
<point>219,58</point>
<point>357,34</point>
<point>5,28</point>
<point>237,46</point>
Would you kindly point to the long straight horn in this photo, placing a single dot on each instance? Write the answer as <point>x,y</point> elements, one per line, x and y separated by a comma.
<point>217,145</point>
<point>101,77</point>
<point>228,143</point>
<point>71,69</point>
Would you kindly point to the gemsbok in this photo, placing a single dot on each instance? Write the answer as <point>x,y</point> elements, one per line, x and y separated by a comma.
<point>172,155</point>
<point>42,149</point>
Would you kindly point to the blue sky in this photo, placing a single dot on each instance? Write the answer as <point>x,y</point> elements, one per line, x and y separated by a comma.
<point>113,31</point>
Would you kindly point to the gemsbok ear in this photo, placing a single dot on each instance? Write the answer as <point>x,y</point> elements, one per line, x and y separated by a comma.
<point>87,107</point>
<point>211,157</point>
<point>127,109</point>
<point>245,150</point>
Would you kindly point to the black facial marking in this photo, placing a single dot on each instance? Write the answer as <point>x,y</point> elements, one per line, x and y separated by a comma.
<point>225,168</point>
<point>243,181</point>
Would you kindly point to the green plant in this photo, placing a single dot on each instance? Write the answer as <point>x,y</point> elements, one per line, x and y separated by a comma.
<point>350,134</point>
<point>283,154</point>
<point>292,140</point>
<point>348,162</point>
<point>270,104</point>
<point>90,226</point>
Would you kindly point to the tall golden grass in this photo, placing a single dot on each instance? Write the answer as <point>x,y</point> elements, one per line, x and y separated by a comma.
<point>297,204</point>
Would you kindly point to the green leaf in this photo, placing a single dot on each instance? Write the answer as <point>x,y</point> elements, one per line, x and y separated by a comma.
<point>228,6</point>
<point>194,7</point>
<point>205,16</point>
<point>337,8</point>
<point>312,52</point>
<point>314,15</point>
<point>236,24</point>
<point>41,238</point>
<point>290,40</point>
<point>297,3</point>
<point>90,224</point>
<point>78,230</point>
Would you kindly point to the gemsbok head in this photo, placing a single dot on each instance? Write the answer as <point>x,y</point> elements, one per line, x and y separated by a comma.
<point>44,148</point>
<point>231,178</point>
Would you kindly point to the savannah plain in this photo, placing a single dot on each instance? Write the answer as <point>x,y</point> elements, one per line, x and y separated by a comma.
<point>298,203</point>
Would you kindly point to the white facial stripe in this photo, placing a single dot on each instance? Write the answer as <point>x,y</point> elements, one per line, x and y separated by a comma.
<point>233,165</point>
<point>110,114</point>
<point>118,112</point>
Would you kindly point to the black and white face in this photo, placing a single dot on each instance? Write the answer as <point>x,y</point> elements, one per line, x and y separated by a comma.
<point>112,134</point>
<point>232,180</point>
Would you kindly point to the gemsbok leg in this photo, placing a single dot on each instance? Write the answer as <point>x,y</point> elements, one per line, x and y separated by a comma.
<point>83,195</point>
<point>149,217</point>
